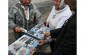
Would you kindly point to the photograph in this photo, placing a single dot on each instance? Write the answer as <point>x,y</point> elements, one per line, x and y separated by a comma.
<point>42,27</point>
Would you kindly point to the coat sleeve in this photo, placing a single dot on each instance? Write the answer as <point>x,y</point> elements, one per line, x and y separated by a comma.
<point>11,17</point>
<point>54,32</point>
<point>67,45</point>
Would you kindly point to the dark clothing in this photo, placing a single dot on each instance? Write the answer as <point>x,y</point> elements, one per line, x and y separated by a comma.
<point>40,53</point>
<point>65,39</point>
<point>52,45</point>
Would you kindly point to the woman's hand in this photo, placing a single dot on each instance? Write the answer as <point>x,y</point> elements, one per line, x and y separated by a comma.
<point>47,34</point>
<point>41,42</point>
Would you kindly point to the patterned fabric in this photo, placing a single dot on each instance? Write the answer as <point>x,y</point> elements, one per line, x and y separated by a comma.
<point>17,17</point>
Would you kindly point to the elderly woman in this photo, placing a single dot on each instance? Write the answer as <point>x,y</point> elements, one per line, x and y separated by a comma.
<point>59,14</point>
<point>65,43</point>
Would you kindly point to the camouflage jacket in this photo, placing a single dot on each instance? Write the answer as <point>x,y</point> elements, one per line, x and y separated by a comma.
<point>17,17</point>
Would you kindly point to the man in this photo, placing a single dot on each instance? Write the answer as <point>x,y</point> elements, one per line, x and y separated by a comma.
<point>23,15</point>
<point>65,43</point>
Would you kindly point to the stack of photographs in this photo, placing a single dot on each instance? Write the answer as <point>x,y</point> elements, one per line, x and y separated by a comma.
<point>25,42</point>
<point>38,31</point>
<point>23,45</point>
<point>22,51</point>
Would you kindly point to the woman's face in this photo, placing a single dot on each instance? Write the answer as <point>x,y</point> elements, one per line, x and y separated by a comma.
<point>25,2</point>
<point>56,4</point>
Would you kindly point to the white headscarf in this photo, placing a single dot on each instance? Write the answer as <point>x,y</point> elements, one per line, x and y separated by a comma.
<point>61,3</point>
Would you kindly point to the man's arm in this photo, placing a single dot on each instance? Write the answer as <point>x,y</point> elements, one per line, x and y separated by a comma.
<point>11,17</point>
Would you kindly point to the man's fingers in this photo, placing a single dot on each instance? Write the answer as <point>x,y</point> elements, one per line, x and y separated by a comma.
<point>19,31</point>
<point>16,30</point>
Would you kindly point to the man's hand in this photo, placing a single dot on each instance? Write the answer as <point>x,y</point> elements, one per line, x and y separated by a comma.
<point>47,34</point>
<point>32,51</point>
<point>18,29</point>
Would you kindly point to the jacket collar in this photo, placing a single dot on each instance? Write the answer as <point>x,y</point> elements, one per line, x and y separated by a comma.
<point>30,6</point>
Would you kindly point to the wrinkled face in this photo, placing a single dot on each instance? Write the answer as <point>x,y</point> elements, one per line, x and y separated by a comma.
<point>56,4</point>
<point>25,2</point>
